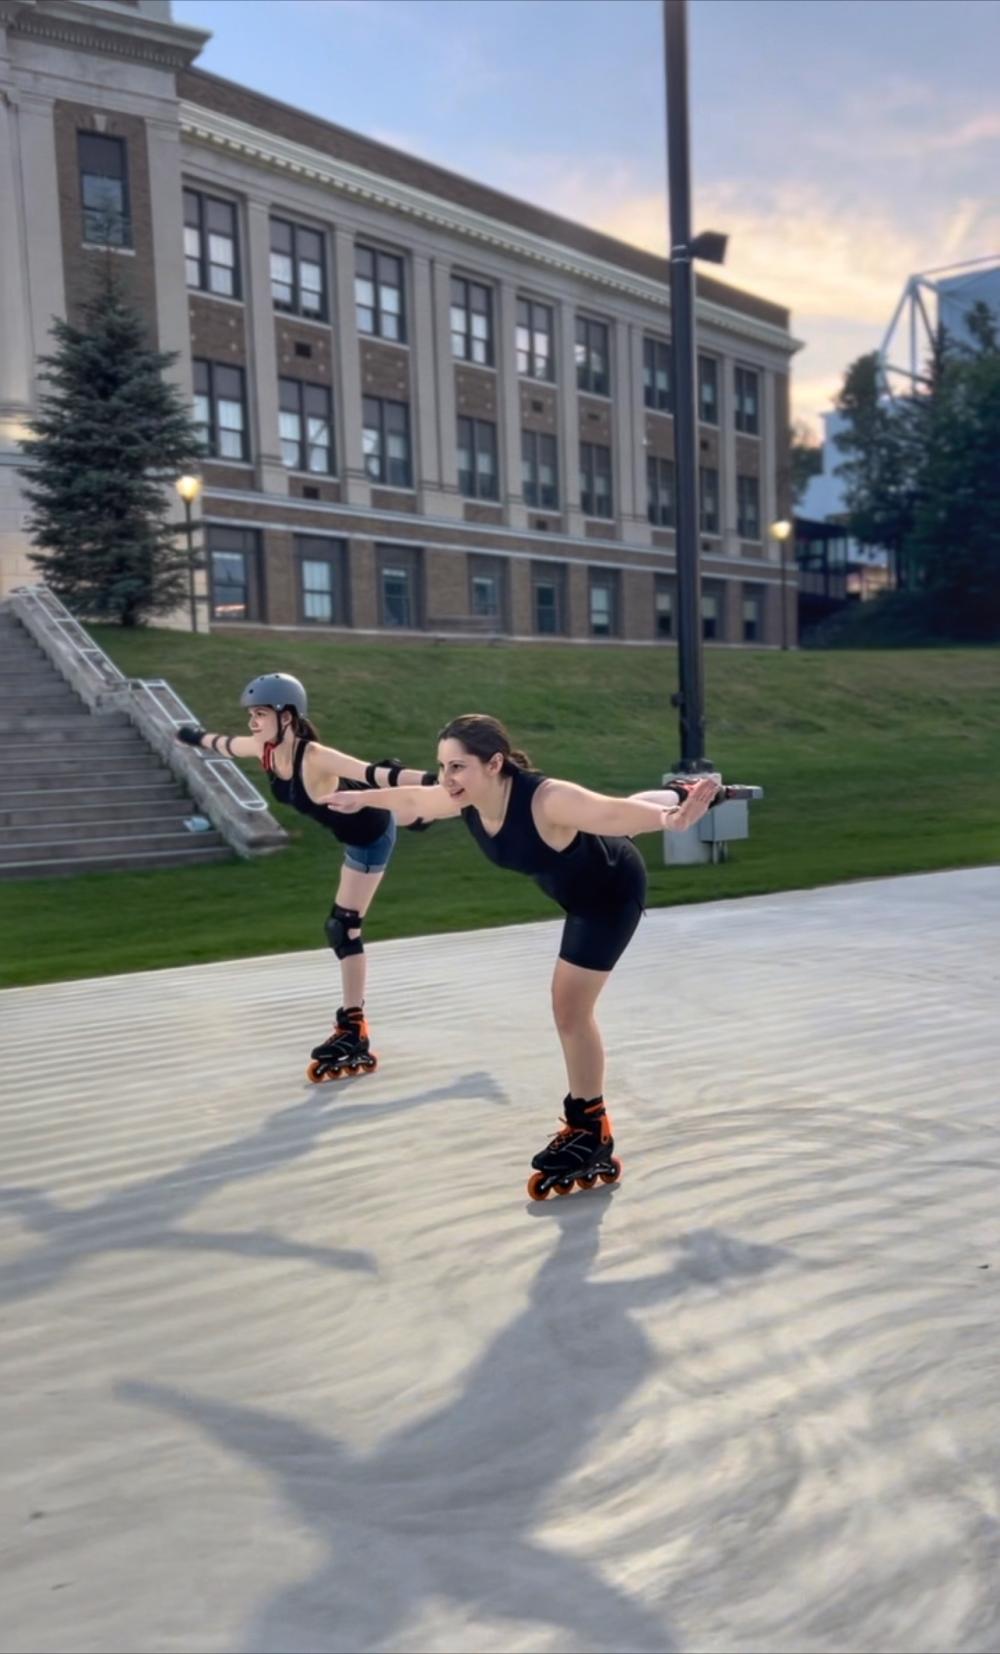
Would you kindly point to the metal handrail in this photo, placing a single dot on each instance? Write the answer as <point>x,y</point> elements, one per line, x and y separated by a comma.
<point>81,644</point>
<point>168,708</point>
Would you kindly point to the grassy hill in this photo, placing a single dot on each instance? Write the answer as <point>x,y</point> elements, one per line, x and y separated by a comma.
<point>874,763</point>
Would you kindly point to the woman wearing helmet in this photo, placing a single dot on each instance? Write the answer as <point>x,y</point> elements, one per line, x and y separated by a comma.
<point>300,771</point>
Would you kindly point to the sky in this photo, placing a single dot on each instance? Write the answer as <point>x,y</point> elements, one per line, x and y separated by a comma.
<point>841,144</point>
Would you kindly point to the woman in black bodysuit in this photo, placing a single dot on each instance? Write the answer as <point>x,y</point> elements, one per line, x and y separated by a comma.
<point>300,771</point>
<point>577,846</point>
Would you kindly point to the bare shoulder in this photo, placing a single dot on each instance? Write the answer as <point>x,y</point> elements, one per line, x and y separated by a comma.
<point>319,768</point>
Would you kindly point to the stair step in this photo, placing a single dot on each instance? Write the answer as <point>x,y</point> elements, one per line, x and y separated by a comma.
<point>65,849</point>
<point>62,817</point>
<point>62,829</point>
<point>155,790</point>
<point>68,723</point>
<point>79,770</point>
<point>121,861</point>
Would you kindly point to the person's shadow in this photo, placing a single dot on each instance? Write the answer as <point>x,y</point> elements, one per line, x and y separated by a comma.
<point>145,1215</point>
<point>447,1506</point>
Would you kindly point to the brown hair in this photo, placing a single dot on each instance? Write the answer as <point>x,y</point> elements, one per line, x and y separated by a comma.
<point>483,736</point>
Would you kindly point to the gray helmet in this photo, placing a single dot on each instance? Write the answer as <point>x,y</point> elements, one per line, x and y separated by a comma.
<point>276,689</point>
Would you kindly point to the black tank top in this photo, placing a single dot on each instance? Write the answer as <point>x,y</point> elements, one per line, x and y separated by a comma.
<point>594,873</point>
<point>364,828</point>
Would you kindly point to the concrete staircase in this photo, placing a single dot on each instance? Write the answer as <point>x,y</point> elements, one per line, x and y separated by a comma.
<point>81,792</point>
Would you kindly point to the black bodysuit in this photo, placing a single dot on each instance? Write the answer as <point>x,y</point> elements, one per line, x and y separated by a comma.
<point>600,882</point>
<point>361,829</point>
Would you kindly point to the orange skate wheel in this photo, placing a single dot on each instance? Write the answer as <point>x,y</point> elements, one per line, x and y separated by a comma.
<point>587,1182</point>
<point>563,1188</point>
<point>612,1177</point>
<point>315,1073</point>
<point>535,1189</point>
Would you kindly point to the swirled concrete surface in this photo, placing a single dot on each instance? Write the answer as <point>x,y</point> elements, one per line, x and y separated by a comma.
<point>297,1369</point>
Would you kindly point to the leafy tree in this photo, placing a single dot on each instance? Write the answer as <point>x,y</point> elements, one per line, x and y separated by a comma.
<point>805,460</point>
<point>111,434</point>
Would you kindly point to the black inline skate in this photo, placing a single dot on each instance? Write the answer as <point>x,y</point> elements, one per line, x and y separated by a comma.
<point>347,1054</point>
<point>579,1155</point>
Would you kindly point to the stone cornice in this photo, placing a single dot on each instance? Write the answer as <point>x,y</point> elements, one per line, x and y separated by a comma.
<point>115,34</point>
<point>222,132</point>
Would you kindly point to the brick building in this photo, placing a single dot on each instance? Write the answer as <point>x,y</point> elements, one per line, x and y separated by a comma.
<point>431,407</point>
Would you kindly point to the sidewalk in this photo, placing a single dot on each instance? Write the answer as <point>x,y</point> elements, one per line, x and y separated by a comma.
<point>290,1368</point>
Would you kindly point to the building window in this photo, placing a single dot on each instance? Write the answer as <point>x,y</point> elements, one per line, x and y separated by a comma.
<point>595,480</point>
<point>298,276</point>
<point>104,189</point>
<point>385,442</point>
<point>661,492</point>
<point>657,389</point>
<point>708,390</point>
<point>710,610</point>
<point>210,248</point>
<point>378,294</point>
<point>398,570</point>
<point>487,590</point>
<point>535,356</point>
<point>306,426</point>
<point>548,581</point>
<point>592,371</point>
<point>603,603</point>
<point>747,389</point>
<point>233,561</point>
<point>539,477</point>
<point>708,491</point>
<point>477,459</point>
<point>663,606</point>
<point>471,322</point>
<point>747,508</point>
<point>321,579</point>
<point>220,409</point>
<point>752,612</point>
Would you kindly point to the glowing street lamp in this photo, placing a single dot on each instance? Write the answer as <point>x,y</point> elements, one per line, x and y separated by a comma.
<point>189,488</point>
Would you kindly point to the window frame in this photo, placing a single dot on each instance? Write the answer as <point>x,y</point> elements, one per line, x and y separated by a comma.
<point>549,575</point>
<point>330,551</point>
<point>655,491</point>
<point>585,374</point>
<point>589,476</point>
<point>404,560</point>
<point>124,215</point>
<point>652,348</point>
<point>745,532</point>
<point>484,567</point>
<point>301,387</point>
<point>294,305</point>
<point>213,426</point>
<point>664,586</point>
<point>383,403</point>
<point>466,334</point>
<point>704,472</point>
<point>249,552</point>
<point>530,372</point>
<point>746,424</point>
<point>377,331</point>
<point>204,232</point>
<point>532,440</point>
<point>611,580</point>
<point>476,428</point>
<point>704,378</point>
<point>756,597</point>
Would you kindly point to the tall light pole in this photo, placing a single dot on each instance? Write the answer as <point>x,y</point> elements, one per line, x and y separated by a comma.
<point>189,488</point>
<point>683,249</point>
<point>781,531</point>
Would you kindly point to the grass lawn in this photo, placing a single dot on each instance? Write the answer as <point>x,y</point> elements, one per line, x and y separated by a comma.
<point>874,763</point>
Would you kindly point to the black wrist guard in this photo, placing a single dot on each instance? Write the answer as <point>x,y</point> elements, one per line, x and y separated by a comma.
<point>395,766</point>
<point>191,734</point>
<point>429,779</point>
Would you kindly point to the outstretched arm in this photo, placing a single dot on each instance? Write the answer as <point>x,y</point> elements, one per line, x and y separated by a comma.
<point>426,803</point>
<point>226,746</point>
<point>564,804</point>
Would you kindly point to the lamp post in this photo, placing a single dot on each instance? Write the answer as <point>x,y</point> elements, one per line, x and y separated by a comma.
<point>781,531</point>
<point>684,249</point>
<point>189,488</point>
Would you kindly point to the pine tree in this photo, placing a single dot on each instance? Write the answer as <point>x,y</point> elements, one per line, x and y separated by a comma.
<point>111,435</point>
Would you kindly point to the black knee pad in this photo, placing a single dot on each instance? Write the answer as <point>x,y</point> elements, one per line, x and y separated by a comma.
<point>341,921</point>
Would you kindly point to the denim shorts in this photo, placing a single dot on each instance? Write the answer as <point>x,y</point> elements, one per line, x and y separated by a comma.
<point>372,858</point>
